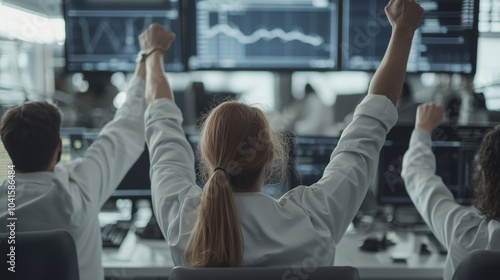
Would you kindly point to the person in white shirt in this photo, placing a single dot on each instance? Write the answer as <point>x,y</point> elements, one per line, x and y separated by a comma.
<point>310,116</point>
<point>460,228</point>
<point>230,222</point>
<point>51,195</point>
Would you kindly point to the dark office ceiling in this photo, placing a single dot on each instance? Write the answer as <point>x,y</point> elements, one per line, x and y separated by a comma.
<point>48,8</point>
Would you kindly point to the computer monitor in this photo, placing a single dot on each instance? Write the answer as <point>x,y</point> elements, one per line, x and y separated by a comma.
<point>102,35</point>
<point>445,42</point>
<point>471,137</point>
<point>136,183</point>
<point>448,162</point>
<point>311,156</point>
<point>454,149</point>
<point>76,141</point>
<point>262,35</point>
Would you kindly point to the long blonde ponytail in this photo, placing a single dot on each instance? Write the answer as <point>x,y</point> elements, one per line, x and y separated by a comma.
<point>216,240</point>
<point>235,147</point>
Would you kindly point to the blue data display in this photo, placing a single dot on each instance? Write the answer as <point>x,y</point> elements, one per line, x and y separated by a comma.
<point>445,42</point>
<point>311,157</point>
<point>258,34</point>
<point>103,35</point>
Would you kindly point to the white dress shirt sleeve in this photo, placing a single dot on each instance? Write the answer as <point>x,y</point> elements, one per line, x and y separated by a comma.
<point>117,148</point>
<point>173,178</point>
<point>432,199</point>
<point>334,200</point>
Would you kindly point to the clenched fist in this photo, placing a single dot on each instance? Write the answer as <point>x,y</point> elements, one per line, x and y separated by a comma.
<point>156,37</point>
<point>404,14</point>
<point>429,116</point>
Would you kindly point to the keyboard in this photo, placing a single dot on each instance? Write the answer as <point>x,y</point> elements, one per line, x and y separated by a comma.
<point>113,234</point>
<point>436,244</point>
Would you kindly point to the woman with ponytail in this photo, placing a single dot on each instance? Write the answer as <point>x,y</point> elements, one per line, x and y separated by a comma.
<point>229,222</point>
<point>230,162</point>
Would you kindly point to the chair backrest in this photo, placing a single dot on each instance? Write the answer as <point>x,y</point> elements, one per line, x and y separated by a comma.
<point>479,264</point>
<point>38,255</point>
<point>265,273</point>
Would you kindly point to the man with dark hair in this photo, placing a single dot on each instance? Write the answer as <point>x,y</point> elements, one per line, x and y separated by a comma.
<point>30,134</point>
<point>70,195</point>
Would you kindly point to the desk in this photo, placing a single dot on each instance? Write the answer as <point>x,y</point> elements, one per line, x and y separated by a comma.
<point>151,258</point>
<point>380,265</point>
<point>137,258</point>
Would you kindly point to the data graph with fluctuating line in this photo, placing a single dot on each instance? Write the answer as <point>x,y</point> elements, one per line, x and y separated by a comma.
<point>264,34</point>
<point>256,34</point>
<point>104,36</point>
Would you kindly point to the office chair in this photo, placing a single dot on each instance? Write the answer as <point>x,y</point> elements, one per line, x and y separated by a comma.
<point>264,273</point>
<point>479,264</point>
<point>40,255</point>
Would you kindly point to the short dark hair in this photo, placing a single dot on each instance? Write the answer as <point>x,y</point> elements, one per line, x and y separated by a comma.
<point>486,178</point>
<point>30,134</point>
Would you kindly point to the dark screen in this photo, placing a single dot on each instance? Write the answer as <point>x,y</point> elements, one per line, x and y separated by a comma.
<point>454,149</point>
<point>445,42</point>
<point>392,189</point>
<point>102,35</point>
<point>311,156</point>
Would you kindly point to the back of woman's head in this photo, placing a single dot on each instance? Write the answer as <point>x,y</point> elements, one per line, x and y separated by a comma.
<point>237,148</point>
<point>487,176</point>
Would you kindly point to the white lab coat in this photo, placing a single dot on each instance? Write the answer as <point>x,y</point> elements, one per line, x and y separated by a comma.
<point>304,226</point>
<point>71,197</point>
<point>461,229</point>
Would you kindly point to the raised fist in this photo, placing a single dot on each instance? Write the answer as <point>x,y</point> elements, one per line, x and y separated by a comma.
<point>156,37</point>
<point>429,116</point>
<point>404,14</point>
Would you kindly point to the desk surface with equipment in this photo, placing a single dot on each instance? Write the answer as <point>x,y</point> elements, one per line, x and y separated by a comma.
<point>138,257</point>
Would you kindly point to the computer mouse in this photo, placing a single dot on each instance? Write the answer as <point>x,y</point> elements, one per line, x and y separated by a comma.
<point>371,244</point>
<point>424,250</point>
